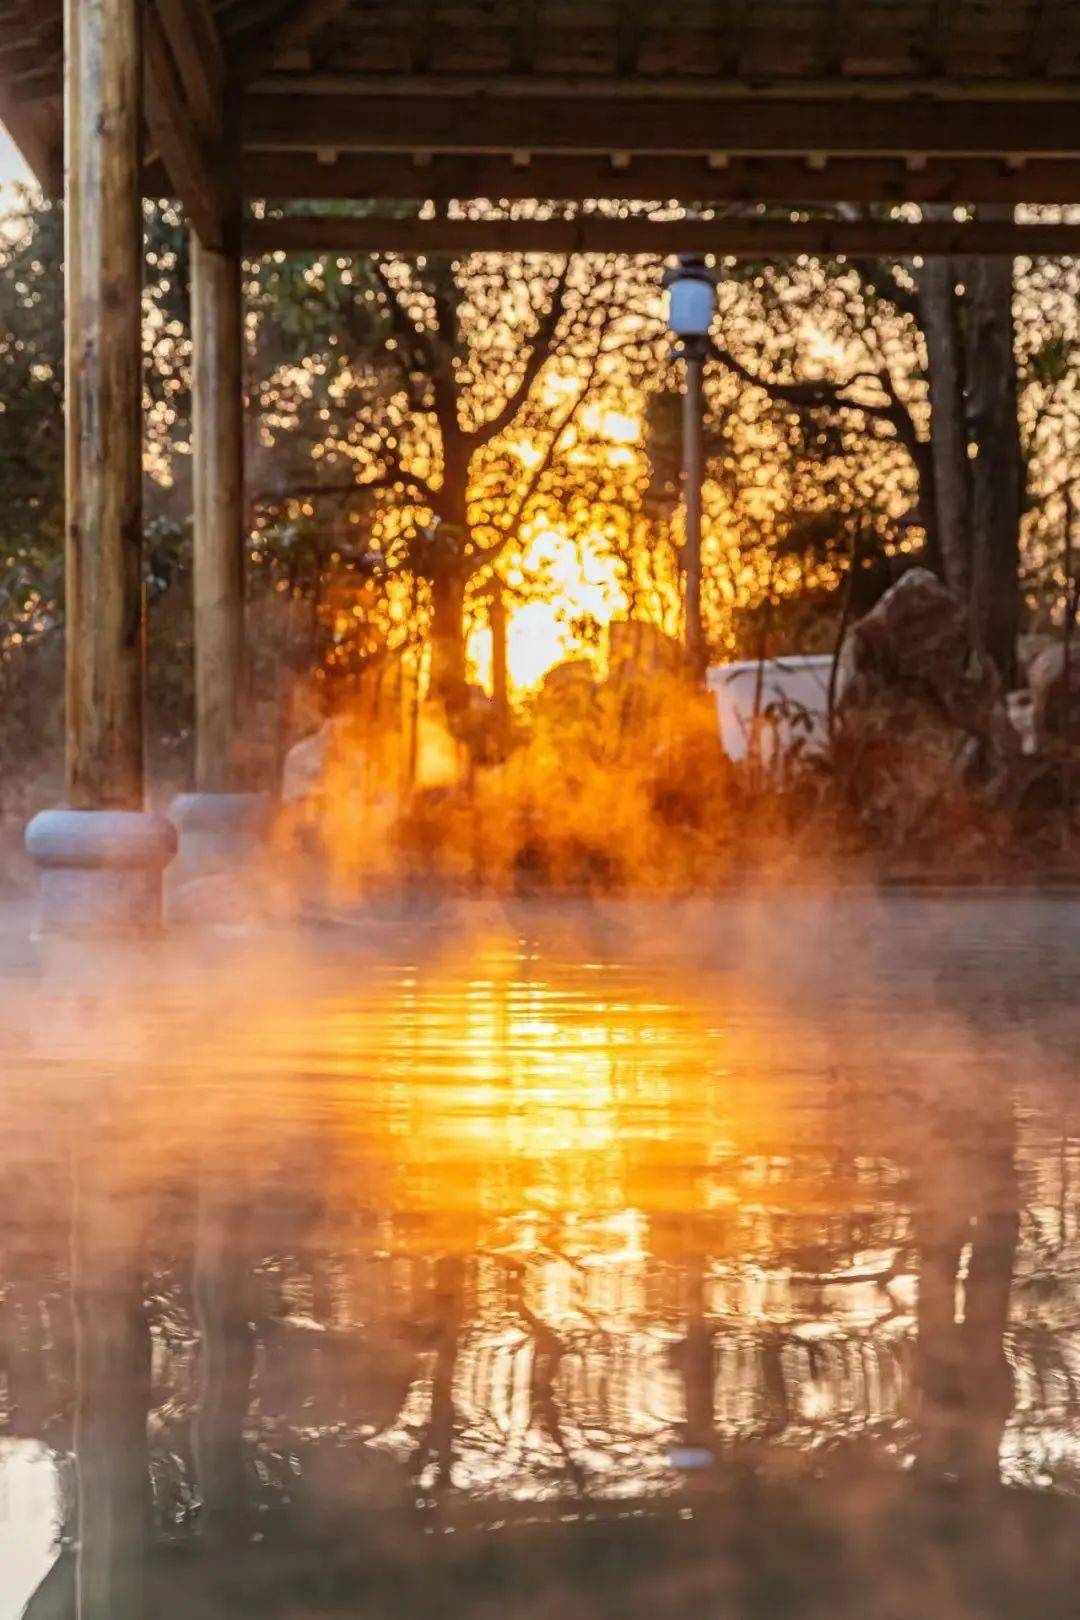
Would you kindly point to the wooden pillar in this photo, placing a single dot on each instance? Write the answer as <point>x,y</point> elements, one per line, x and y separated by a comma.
<point>103,200</point>
<point>218,473</point>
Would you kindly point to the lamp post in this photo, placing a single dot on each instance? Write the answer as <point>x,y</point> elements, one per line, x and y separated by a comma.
<point>691,290</point>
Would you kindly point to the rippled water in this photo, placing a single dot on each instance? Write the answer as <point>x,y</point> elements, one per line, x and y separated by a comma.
<point>547,1262</point>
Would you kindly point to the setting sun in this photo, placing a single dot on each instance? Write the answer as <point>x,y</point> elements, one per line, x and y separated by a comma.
<point>540,633</point>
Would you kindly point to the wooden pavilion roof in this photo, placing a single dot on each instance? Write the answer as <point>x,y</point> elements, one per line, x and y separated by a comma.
<point>720,101</point>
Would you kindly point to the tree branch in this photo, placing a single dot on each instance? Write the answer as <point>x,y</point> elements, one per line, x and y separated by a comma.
<point>401,321</point>
<point>880,275</point>
<point>821,395</point>
<point>512,528</point>
<point>903,422</point>
<point>393,474</point>
<point>539,354</point>
<point>437,357</point>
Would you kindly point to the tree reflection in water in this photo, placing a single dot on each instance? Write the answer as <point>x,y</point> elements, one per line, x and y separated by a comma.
<point>555,1277</point>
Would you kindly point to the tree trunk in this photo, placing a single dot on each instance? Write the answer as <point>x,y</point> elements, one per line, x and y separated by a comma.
<point>500,683</point>
<point>448,683</point>
<point>951,500</point>
<point>996,472</point>
<point>449,575</point>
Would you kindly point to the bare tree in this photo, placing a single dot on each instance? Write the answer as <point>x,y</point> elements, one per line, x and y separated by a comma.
<point>418,408</point>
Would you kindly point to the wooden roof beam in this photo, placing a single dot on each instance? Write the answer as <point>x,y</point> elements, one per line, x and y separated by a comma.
<point>841,17</point>
<point>593,233</point>
<point>39,137</point>
<point>935,50</point>
<point>942,126</point>
<point>288,175</point>
<point>421,35</point>
<point>192,36</point>
<point>629,32</point>
<point>195,166</point>
<point>36,126</point>
<point>733,16</point>
<point>523,48</point>
<point>1042,37</point>
<point>293,30</point>
<point>858,90</point>
<point>42,35</point>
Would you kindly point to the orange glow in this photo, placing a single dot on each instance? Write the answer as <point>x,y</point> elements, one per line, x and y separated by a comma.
<point>579,582</point>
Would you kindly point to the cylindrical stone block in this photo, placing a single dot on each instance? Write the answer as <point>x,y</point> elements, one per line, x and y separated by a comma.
<point>218,832</point>
<point>101,870</point>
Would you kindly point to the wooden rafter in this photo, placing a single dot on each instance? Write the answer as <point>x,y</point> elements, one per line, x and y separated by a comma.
<point>943,126</point>
<point>1042,36</point>
<point>523,48</point>
<point>982,114</point>
<point>39,138</point>
<point>733,17</point>
<point>292,30</point>
<point>284,175</point>
<point>34,124</point>
<point>31,75</point>
<point>194,167</point>
<point>192,37</point>
<point>20,31</point>
<point>936,51</point>
<point>842,17</point>
<point>630,29</point>
<point>855,91</point>
<point>421,35</point>
<point>594,233</point>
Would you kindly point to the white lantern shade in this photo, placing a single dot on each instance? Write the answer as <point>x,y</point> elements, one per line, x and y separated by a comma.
<point>691,300</point>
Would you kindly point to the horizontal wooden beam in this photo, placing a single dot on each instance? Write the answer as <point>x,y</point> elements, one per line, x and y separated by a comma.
<point>746,238</point>
<point>695,87</point>
<point>533,124</point>
<point>385,175</point>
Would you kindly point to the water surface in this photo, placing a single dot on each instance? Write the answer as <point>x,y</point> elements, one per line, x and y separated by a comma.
<point>548,1261</point>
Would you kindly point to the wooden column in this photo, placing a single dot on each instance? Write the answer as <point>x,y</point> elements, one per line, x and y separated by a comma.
<point>218,448</point>
<point>103,199</point>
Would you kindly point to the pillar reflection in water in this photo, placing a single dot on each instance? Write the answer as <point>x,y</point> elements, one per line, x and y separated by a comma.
<point>967,1222</point>
<point>223,1308</point>
<point>112,1384</point>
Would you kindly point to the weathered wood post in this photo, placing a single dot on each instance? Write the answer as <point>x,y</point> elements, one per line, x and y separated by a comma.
<point>218,478</point>
<point>102,857</point>
<point>221,821</point>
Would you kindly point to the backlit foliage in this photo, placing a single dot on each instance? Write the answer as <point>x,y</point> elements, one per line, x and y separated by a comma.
<point>426,435</point>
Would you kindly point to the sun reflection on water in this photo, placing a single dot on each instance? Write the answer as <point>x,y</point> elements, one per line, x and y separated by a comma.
<point>531,1227</point>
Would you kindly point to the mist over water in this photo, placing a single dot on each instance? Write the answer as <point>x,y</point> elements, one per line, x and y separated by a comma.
<point>547,1259</point>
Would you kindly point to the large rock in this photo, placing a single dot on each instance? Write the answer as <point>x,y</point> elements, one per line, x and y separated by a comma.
<point>921,714</point>
<point>304,769</point>
<point>638,650</point>
<point>913,647</point>
<point>1054,682</point>
<point>567,693</point>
